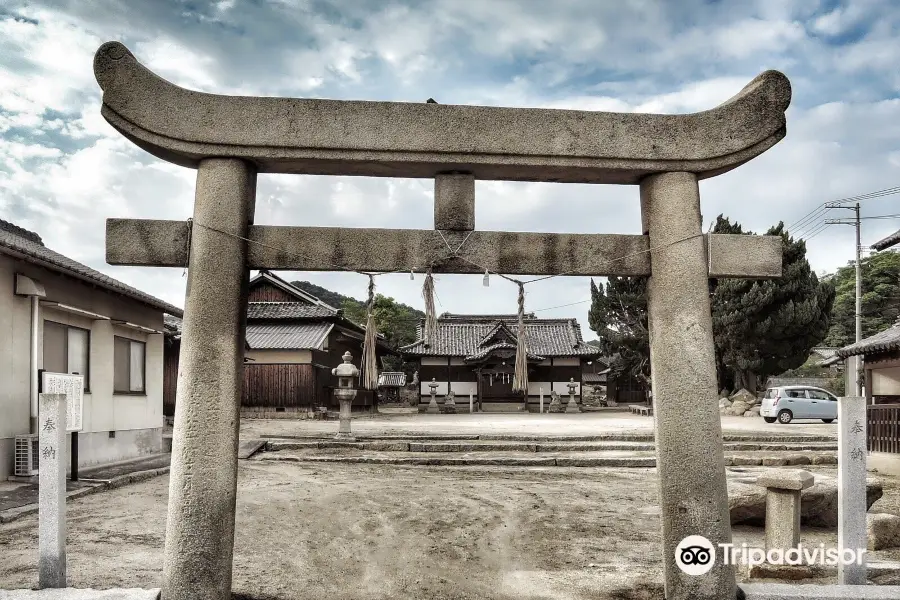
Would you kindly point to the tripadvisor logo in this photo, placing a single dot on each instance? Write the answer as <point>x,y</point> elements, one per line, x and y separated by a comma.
<point>696,555</point>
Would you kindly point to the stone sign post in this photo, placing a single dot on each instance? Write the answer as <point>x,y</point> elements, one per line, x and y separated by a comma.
<point>52,491</point>
<point>346,372</point>
<point>852,487</point>
<point>228,139</point>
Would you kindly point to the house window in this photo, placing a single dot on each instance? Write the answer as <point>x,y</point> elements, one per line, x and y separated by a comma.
<point>129,366</point>
<point>67,350</point>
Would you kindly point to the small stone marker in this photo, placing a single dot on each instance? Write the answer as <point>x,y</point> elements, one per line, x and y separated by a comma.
<point>572,406</point>
<point>542,400</point>
<point>433,407</point>
<point>783,490</point>
<point>52,491</point>
<point>471,402</point>
<point>852,487</point>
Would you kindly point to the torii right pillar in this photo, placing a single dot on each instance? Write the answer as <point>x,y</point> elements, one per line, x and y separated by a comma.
<point>689,449</point>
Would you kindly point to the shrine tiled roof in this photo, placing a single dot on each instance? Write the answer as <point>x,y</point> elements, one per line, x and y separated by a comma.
<point>500,346</point>
<point>392,379</point>
<point>884,341</point>
<point>292,336</point>
<point>463,336</point>
<point>288,310</point>
<point>888,242</point>
<point>29,246</point>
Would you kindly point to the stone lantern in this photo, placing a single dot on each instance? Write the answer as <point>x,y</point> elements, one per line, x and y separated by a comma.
<point>346,372</point>
<point>433,405</point>
<point>572,406</point>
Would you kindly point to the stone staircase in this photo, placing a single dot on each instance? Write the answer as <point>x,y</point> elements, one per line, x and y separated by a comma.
<point>609,450</point>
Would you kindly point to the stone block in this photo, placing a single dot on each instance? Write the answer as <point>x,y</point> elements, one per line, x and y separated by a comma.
<point>774,461</point>
<point>882,531</point>
<point>454,201</point>
<point>786,479</point>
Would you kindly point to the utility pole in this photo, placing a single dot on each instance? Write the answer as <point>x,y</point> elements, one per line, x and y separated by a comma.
<point>856,222</point>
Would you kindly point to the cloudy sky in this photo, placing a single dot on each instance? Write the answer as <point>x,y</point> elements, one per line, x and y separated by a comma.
<point>65,170</point>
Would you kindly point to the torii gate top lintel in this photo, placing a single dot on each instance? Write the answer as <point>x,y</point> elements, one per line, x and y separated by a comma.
<point>404,139</point>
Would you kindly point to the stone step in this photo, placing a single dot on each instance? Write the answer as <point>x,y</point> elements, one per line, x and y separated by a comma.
<point>407,445</point>
<point>610,458</point>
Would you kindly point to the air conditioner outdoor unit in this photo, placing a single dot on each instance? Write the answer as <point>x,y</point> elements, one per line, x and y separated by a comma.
<point>27,455</point>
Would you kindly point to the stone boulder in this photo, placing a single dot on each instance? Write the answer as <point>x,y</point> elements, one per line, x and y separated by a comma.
<point>753,412</point>
<point>724,403</point>
<point>745,397</point>
<point>818,504</point>
<point>883,531</point>
<point>738,408</point>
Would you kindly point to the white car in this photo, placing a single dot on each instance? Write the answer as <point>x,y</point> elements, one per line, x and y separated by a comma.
<point>789,402</point>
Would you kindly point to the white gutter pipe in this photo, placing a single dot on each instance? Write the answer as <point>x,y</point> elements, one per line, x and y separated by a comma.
<point>25,286</point>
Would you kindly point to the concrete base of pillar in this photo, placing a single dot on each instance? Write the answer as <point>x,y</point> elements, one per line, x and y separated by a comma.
<point>572,407</point>
<point>344,437</point>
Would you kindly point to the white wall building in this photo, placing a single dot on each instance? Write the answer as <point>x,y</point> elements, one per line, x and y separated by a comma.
<point>61,316</point>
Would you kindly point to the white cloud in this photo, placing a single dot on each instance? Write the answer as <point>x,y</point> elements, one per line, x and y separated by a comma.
<point>65,170</point>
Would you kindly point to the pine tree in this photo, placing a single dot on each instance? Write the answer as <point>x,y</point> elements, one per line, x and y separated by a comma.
<point>766,327</point>
<point>618,316</point>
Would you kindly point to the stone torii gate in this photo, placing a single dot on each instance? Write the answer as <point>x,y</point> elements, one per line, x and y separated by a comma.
<point>231,139</point>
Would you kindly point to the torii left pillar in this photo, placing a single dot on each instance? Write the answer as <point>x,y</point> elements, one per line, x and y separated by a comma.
<point>203,484</point>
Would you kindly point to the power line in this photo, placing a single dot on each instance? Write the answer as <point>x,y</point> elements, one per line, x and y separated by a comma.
<point>810,219</point>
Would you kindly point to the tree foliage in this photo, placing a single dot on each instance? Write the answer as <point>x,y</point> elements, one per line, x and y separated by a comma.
<point>395,320</point>
<point>618,316</point>
<point>765,327</point>
<point>880,298</point>
<point>760,327</point>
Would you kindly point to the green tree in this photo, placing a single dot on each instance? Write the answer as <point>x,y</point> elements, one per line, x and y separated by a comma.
<point>765,327</point>
<point>880,298</point>
<point>396,321</point>
<point>618,316</point>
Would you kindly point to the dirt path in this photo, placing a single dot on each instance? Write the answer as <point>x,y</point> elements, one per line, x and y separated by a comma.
<point>368,531</point>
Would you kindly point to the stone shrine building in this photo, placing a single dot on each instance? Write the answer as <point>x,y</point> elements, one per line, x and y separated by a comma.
<point>475,354</point>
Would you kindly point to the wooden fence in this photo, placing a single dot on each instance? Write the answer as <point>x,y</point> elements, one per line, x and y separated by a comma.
<point>883,428</point>
<point>274,385</point>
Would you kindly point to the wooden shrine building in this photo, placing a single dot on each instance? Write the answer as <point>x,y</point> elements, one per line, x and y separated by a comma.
<point>293,341</point>
<point>475,354</point>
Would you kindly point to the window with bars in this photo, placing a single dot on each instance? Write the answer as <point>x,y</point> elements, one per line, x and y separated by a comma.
<point>129,366</point>
<point>67,350</point>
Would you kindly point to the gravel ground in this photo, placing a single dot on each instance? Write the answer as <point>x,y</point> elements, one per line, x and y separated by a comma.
<point>368,531</point>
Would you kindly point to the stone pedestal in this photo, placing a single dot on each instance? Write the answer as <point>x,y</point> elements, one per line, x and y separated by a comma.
<point>783,490</point>
<point>852,451</point>
<point>203,481</point>
<point>52,491</point>
<point>693,496</point>
<point>346,401</point>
